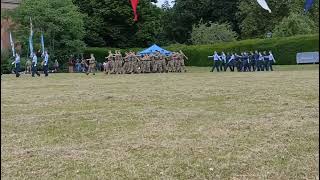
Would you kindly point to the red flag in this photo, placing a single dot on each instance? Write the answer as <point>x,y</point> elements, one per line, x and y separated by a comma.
<point>134,4</point>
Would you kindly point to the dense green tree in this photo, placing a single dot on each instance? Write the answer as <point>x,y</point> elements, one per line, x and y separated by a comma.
<point>256,22</point>
<point>59,20</point>
<point>294,24</point>
<point>211,33</point>
<point>185,13</point>
<point>110,23</point>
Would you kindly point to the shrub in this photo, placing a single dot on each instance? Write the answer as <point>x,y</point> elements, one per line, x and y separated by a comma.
<point>284,49</point>
<point>211,33</point>
<point>294,24</point>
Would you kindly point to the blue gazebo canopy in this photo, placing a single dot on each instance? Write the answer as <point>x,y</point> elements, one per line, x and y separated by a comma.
<point>154,48</point>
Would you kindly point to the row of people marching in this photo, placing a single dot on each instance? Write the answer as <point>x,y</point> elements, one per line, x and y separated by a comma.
<point>132,63</point>
<point>245,62</point>
<point>33,64</point>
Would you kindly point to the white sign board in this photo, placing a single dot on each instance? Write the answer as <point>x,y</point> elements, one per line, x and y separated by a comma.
<point>307,57</point>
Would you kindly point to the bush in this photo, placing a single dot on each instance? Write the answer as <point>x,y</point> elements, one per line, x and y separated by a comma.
<point>211,33</point>
<point>284,49</point>
<point>294,24</point>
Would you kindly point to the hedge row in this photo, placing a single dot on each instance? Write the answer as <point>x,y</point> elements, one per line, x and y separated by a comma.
<point>284,49</point>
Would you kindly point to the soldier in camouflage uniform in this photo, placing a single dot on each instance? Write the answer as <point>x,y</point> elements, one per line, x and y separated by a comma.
<point>108,66</point>
<point>182,56</point>
<point>92,65</point>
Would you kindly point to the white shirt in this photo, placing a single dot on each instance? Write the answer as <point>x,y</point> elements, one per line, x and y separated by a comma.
<point>17,60</point>
<point>216,57</point>
<point>46,59</point>
<point>231,58</point>
<point>260,57</point>
<point>34,60</point>
<point>271,58</point>
<point>224,58</point>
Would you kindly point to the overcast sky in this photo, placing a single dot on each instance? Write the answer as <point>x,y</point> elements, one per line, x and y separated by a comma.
<point>160,2</point>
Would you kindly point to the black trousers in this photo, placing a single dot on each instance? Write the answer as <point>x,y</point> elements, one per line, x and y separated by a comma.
<point>216,64</point>
<point>17,69</point>
<point>45,70</point>
<point>270,65</point>
<point>34,70</point>
<point>230,66</point>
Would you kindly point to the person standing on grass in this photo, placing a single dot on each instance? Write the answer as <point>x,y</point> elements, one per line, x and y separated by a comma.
<point>71,64</point>
<point>16,63</point>
<point>230,62</point>
<point>261,62</point>
<point>252,65</point>
<point>266,60</point>
<point>271,60</point>
<point>28,66</point>
<point>56,66</point>
<point>223,61</point>
<point>92,65</point>
<point>34,64</point>
<point>45,63</point>
<point>216,61</point>
<point>237,61</point>
<point>256,59</point>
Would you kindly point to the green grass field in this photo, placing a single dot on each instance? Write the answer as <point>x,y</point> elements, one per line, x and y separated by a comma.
<point>195,125</point>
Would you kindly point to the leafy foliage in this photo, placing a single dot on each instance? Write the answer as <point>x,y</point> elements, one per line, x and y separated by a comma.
<point>59,20</point>
<point>256,22</point>
<point>110,23</point>
<point>211,33</point>
<point>295,24</point>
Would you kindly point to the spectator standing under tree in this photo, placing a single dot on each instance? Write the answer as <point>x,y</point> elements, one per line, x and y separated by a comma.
<point>71,64</point>
<point>28,66</point>
<point>56,66</point>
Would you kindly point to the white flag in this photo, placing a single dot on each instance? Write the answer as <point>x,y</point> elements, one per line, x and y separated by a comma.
<point>264,5</point>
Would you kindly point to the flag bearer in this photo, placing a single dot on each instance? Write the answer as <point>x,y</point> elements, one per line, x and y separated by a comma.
<point>45,63</point>
<point>34,64</point>
<point>16,63</point>
<point>216,61</point>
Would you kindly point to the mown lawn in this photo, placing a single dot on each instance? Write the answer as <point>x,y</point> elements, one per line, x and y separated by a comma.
<point>195,125</point>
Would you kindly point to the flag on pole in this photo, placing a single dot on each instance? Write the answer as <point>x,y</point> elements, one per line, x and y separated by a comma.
<point>264,5</point>
<point>134,4</point>
<point>308,5</point>
<point>12,45</point>
<point>42,43</point>
<point>30,38</point>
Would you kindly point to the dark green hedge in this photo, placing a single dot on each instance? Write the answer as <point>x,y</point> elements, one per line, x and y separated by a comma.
<point>284,49</point>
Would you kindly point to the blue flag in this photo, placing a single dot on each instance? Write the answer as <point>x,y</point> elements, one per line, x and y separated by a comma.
<point>308,5</point>
<point>42,43</point>
<point>12,45</point>
<point>30,39</point>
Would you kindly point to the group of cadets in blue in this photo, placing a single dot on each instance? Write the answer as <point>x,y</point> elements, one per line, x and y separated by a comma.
<point>244,62</point>
<point>34,70</point>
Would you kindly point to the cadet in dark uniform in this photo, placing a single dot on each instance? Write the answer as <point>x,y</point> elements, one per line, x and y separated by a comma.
<point>216,61</point>
<point>231,62</point>
<point>256,59</point>
<point>245,62</point>
<point>238,62</point>
<point>223,61</point>
<point>266,60</point>
<point>45,63</point>
<point>252,62</point>
<point>16,63</point>
<point>34,65</point>
<point>261,62</point>
<point>271,60</point>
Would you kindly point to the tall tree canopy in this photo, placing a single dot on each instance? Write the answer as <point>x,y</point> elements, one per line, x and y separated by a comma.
<point>110,23</point>
<point>59,20</point>
<point>256,22</point>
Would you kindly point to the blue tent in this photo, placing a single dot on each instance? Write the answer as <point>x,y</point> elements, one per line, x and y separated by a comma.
<point>154,48</point>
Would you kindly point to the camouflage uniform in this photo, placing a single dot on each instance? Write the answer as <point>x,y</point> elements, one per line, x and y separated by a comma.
<point>92,65</point>
<point>108,67</point>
